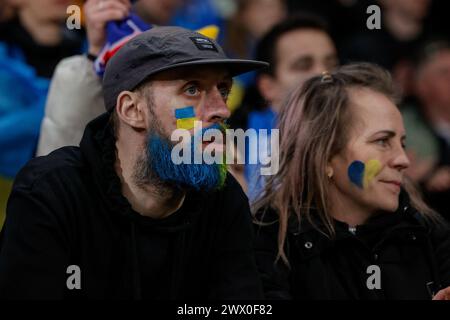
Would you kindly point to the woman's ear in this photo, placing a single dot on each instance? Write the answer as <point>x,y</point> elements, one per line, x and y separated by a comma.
<point>129,110</point>
<point>329,171</point>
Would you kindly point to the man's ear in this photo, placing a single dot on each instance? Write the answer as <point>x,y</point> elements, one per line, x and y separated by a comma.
<point>130,111</point>
<point>267,87</point>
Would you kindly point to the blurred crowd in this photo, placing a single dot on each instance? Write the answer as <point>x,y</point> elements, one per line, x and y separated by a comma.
<point>49,90</point>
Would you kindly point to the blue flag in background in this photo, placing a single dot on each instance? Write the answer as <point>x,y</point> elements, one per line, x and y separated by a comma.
<point>118,33</point>
<point>22,105</point>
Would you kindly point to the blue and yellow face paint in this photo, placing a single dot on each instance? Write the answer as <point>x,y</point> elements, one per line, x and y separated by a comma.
<point>185,117</point>
<point>361,173</point>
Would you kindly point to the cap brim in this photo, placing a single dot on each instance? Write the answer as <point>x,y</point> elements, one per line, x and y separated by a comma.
<point>235,66</point>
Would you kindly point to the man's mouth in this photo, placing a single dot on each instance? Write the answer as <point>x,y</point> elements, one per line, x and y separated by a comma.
<point>219,147</point>
<point>212,139</point>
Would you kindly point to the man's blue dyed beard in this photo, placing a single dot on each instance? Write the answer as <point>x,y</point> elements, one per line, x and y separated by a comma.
<point>204,177</point>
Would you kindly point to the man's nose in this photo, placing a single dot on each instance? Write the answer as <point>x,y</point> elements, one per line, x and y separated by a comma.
<point>215,108</point>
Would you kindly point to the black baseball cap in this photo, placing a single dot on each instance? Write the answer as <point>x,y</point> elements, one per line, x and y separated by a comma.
<point>164,48</point>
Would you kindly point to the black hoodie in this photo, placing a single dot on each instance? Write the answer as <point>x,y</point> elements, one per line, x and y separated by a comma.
<point>67,209</point>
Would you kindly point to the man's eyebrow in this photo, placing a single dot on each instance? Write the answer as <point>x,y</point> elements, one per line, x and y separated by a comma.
<point>228,80</point>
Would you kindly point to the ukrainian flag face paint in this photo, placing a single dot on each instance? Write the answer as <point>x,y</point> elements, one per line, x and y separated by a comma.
<point>361,174</point>
<point>185,117</point>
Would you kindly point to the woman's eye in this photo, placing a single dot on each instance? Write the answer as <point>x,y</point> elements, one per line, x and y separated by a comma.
<point>382,142</point>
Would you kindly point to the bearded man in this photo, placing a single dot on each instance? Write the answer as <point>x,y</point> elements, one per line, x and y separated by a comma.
<point>117,217</point>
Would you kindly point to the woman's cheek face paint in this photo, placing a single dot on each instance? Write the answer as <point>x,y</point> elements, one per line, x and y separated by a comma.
<point>361,173</point>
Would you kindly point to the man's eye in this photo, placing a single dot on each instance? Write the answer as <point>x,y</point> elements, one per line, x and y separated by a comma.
<point>303,65</point>
<point>191,90</point>
<point>225,92</point>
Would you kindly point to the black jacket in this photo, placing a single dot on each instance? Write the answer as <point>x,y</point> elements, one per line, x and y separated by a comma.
<point>413,256</point>
<point>67,209</point>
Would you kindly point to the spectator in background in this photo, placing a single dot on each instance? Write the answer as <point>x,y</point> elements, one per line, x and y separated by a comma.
<point>159,12</point>
<point>297,49</point>
<point>38,32</point>
<point>428,124</point>
<point>403,28</point>
<point>31,45</point>
<point>343,16</point>
<point>6,10</point>
<point>251,20</point>
<point>195,14</point>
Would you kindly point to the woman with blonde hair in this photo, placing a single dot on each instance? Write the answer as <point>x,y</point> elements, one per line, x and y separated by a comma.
<point>340,220</point>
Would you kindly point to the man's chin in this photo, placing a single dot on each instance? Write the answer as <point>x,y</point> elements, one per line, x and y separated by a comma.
<point>205,176</point>
<point>200,177</point>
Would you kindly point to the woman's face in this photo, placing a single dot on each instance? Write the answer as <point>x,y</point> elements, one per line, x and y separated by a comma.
<point>368,173</point>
